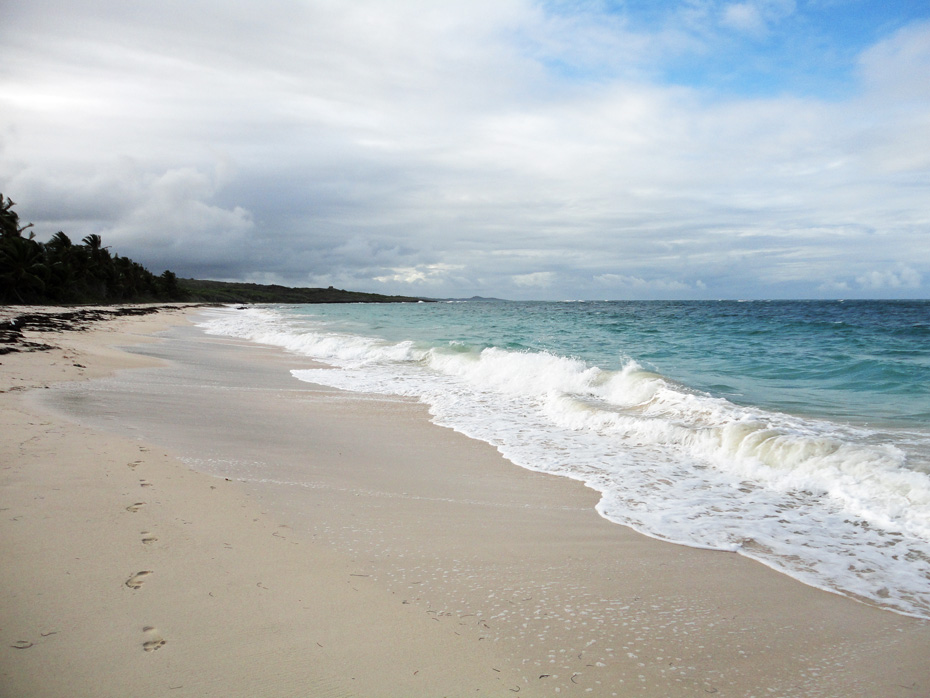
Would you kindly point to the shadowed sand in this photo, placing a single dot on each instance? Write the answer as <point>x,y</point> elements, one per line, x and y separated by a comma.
<point>346,546</point>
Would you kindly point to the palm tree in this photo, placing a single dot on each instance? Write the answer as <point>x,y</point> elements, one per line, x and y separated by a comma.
<point>22,267</point>
<point>63,263</point>
<point>93,241</point>
<point>9,219</point>
<point>59,241</point>
<point>168,285</point>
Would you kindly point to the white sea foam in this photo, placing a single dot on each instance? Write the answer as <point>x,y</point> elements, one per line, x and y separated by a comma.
<point>829,504</point>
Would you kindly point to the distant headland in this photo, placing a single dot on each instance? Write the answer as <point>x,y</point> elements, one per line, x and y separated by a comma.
<point>198,290</point>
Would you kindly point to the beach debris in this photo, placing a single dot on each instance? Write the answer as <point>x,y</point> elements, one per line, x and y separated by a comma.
<point>21,645</point>
<point>11,331</point>
<point>9,334</point>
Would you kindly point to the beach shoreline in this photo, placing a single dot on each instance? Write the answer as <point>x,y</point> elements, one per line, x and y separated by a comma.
<point>433,566</point>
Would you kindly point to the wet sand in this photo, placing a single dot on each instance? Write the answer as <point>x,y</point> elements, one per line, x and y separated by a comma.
<point>313,542</point>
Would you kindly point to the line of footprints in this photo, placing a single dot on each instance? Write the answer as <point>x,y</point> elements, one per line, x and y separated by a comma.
<point>152,639</point>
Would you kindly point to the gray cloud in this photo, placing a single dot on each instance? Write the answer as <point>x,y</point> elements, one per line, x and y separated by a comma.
<point>487,147</point>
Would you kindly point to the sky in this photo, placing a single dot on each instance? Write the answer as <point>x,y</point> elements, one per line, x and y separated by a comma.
<point>523,149</point>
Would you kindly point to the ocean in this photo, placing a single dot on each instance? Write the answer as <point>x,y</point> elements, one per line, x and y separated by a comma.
<point>796,433</point>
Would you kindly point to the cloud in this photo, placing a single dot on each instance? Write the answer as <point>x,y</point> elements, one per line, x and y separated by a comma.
<point>426,274</point>
<point>537,279</point>
<point>904,277</point>
<point>475,148</point>
<point>833,287</point>
<point>636,283</point>
<point>897,66</point>
<point>756,16</point>
<point>155,215</point>
<point>174,214</point>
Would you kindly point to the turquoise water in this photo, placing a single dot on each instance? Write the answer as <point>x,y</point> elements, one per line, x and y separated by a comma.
<point>796,433</point>
<point>864,361</point>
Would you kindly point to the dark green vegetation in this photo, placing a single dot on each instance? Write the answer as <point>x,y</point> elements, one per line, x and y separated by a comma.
<point>60,271</point>
<point>224,292</point>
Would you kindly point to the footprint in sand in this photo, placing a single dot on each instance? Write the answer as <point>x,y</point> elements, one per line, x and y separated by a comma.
<point>132,466</point>
<point>135,507</point>
<point>136,580</point>
<point>153,639</point>
<point>147,540</point>
<point>144,483</point>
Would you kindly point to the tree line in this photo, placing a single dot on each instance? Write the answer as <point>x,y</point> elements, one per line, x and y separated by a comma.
<point>61,271</point>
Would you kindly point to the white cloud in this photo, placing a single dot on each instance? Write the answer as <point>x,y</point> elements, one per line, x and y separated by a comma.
<point>139,211</point>
<point>177,203</point>
<point>537,279</point>
<point>744,17</point>
<point>755,16</point>
<point>639,284</point>
<point>904,277</point>
<point>833,287</point>
<point>898,66</point>
<point>425,274</point>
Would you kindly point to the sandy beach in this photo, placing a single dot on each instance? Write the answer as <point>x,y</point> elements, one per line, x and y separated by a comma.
<point>185,518</point>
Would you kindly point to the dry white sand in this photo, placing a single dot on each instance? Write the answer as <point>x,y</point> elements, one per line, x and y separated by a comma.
<point>389,557</point>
